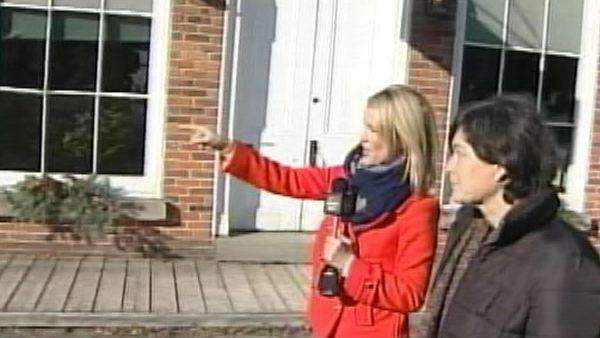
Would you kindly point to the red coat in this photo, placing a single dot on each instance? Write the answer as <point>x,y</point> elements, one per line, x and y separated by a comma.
<point>389,277</point>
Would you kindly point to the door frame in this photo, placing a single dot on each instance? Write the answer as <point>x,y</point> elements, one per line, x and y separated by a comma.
<point>220,222</point>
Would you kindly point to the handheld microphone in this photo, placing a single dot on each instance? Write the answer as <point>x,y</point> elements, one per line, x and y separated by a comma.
<point>341,203</point>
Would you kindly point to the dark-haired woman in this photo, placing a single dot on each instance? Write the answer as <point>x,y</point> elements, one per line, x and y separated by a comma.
<point>511,268</point>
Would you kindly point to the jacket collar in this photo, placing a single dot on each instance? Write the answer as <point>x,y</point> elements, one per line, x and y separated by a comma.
<point>524,217</point>
<point>529,214</point>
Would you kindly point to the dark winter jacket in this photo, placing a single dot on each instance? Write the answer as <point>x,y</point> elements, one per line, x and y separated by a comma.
<point>539,278</point>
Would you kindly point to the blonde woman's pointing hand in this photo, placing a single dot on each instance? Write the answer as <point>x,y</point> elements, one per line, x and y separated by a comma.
<point>206,138</point>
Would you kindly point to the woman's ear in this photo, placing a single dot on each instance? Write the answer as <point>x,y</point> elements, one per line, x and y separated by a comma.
<point>501,176</point>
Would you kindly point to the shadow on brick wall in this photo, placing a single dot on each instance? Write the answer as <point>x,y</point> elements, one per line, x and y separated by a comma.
<point>145,241</point>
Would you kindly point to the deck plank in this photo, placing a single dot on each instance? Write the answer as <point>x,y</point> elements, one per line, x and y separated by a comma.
<point>188,288</point>
<point>110,290</point>
<point>215,296</point>
<point>84,290</point>
<point>55,296</point>
<point>31,287</point>
<point>12,275</point>
<point>164,299</point>
<point>4,259</point>
<point>239,289</point>
<point>137,286</point>
<point>64,322</point>
<point>306,270</point>
<point>290,292</point>
<point>298,278</point>
<point>268,298</point>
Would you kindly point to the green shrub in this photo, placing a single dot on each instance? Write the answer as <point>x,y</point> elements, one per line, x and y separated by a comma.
<point>86,204</point>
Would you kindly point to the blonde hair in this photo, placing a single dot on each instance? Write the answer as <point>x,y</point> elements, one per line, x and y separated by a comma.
<point>407,125</point>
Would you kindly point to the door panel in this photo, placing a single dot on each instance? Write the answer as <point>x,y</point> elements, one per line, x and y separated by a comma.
<point>271,105</point>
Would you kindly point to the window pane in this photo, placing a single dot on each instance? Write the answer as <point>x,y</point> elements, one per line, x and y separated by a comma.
<point>73,51</point>
<point>558,92</point>
<point>122,136</point>
<point>22,46</point>
<point>20,131</point>
<point>69,134</point>
<point>564,138</point>
<point>521,73</point>
<point>78,3</point>
<point>26,2</point>
<point>484,21</point>
<point>479,73</point>
<point>564,27</point>
<point>525,23</point>
<point>131,5</point>
<point>126,54</point>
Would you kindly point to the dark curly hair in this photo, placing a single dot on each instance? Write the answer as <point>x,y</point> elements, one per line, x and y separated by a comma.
<point>508,130</point>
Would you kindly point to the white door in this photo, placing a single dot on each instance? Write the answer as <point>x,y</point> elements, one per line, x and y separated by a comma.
<point>304,70</point>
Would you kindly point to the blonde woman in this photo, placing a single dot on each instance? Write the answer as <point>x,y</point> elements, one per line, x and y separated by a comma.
<point>386,250</point>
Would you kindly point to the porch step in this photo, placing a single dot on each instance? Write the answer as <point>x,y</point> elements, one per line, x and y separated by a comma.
<point>265,247</point>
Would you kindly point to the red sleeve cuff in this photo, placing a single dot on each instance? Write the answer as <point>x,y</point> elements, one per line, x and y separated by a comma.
<point>236,161</point>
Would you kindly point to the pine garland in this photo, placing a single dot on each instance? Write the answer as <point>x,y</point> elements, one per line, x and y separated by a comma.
<point>87,204</point>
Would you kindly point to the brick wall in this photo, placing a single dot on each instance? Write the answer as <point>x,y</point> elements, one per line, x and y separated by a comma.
<point>195,60</point>
<point>593,183</point>
<point>430,63</point>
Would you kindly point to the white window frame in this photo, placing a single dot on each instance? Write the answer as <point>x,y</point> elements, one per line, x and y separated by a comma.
<point>585,93</point>
<point>150,184</point>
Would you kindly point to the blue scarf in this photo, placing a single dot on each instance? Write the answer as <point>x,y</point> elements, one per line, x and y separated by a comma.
<point>380,188</point>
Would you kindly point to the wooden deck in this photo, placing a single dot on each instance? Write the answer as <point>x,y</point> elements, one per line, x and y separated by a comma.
<point>96,291</point>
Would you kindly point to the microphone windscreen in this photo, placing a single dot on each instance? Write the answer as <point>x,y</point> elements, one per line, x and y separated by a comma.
<point>339,185</point>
